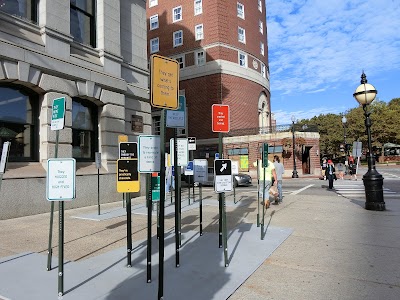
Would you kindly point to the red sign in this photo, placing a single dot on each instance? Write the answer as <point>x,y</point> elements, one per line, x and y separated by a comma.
<point>220,118</point>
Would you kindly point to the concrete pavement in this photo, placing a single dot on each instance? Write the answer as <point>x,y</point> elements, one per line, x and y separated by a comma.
<point>335,249</point>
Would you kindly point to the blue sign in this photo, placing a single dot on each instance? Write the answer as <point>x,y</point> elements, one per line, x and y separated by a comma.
<point>177,118</point>
<point>217,155</point>
<point>189,166</point>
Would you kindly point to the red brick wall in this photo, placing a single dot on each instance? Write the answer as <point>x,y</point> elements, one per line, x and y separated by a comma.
<point>240,94</point>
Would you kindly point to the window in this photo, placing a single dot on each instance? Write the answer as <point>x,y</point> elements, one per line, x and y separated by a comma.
<point>26,9</point>
<point>153,3</point>
<point>260,5</point>
<point>18,123</point>
<point>154,45</point>
<point>177,14</point>
<point>242,59</point>
<point>240,10</point>
<point>200,58</point>
<point>199,32</point>
<point>261,48</point>
<point>261,26</point>
<point>238,151</point>
<point>178,38</point>
<point>263,71</point>
<point>156,128</point>
<point>241,35</point>
<point>153,22</point>
<point>84,129</point>
<point>181,61</point>
<point>198,7</point>
<point>82,21</point>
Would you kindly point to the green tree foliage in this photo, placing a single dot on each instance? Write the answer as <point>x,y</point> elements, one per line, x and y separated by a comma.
<point>385,127</point>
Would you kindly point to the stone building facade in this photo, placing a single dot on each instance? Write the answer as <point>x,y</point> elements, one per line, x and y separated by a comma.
<point>92,53</point>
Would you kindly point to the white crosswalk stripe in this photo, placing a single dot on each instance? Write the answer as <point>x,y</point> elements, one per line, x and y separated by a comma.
<point>356,189</point>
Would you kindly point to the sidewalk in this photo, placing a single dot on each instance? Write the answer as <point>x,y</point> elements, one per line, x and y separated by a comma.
<point>316,247</point>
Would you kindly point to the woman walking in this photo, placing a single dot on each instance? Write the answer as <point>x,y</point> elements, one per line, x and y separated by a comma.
<point>330,173</point>
<point>279,169</point>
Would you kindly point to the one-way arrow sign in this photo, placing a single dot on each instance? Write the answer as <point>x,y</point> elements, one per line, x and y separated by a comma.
<point>223,175</point>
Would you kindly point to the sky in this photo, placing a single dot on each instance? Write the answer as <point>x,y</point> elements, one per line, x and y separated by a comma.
<point>319,48</point>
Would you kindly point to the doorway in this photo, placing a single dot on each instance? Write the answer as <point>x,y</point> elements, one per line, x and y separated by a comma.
<point>305,160</point>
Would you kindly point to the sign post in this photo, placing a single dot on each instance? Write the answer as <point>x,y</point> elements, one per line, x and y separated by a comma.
<point>97,156</point>
<point>164,94</point>
<point>200,170</point>
<point>57,123</point>
<point>60,186</point>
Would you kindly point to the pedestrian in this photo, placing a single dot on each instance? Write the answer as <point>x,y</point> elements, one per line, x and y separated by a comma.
<point>352,167</point>
<point>279,169</point>
<point>323,167</point>
<point>330,173</point>
<point>265,185</point>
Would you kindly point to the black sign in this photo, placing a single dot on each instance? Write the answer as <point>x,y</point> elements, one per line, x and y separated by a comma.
<point>128,150</point>
<point>127,170</point>
<point>223,167</point>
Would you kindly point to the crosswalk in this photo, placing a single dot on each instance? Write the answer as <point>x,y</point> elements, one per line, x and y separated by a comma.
<point>355,189</point>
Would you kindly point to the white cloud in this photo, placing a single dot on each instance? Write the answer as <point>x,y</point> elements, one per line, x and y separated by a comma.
<point>317,45</point>
<point>285,117</point>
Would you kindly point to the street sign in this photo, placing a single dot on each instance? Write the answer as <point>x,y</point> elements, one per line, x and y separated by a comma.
<point>220,118</point>
<point>223,175</point>
<point>122,138</point>
<point>149,153</point>
<point>60,180</point>
<point>182,151</point>
<point>58,114</point>
<point>4,156</point>
<point>127,176</point>
<point>191,143</point>
<point>164,74</point>
<point>235,167</point>
<point>357,149</point>
<point>265,155</point>
<point>177,118</point>
<point>216,156</point>
<point>128,150</point>
<point>200,170</point>
<point>189,168</point>
<point>155,188</point>
<point>97,156</point>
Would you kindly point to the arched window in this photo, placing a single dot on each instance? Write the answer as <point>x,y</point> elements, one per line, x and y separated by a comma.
<point>18,122</point>
<point>84,129</point>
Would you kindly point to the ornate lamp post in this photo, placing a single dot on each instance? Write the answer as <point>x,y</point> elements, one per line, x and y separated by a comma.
<point>294,175</point>
<point>373,181</point>
<point>344,121</point>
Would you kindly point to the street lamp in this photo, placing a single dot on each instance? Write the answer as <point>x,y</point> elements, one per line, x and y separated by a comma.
<point>373,181</point>
<point>344,121</point>
<point>294,175</point>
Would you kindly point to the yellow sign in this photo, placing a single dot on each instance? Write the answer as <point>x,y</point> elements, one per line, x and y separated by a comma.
<point>244,162</point>
<point>128,179</point>
<point>164,82</point>
<point>122,138</point>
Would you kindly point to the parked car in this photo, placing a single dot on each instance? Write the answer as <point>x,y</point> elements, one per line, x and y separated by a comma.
<point>240,179</point>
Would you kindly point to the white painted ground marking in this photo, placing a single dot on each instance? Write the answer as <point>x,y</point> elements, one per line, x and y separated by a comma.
<point>302,189</point>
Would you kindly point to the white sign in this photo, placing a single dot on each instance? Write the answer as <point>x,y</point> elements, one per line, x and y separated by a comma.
<point>182,151</point>
<point>176,118</point>
<point>191,143</point>
<point>235,167</point>
<point>357,149</point>
<point>189,168</point>
<point>4,156</point>
<point>60,181</point>
<point>200,167</point>
<point>97,156</point>
<point>58,114</point>
<point>149,153</point>
<point>223,175</point>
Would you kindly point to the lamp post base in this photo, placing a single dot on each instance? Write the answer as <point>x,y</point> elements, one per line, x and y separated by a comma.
<point>295,175</point>
<point>373,184</point>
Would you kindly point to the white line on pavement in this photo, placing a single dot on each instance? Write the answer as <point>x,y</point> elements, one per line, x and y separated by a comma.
<point>302,189</point>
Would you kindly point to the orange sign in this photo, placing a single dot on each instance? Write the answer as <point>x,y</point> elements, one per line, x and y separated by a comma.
<point>164,82</point>
<point>220,118</point>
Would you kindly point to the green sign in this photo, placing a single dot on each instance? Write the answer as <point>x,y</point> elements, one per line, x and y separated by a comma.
<point>265,155</point>
<point>155,188</point>
<point>58,114</point>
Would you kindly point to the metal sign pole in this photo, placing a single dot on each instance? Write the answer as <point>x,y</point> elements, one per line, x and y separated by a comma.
<point>264,203</point>
<point>49,249</point>
<point>162,211</point>
<point>149,215</point>
<point>177,199</point>
<point>129,229</point>
<point>258,196</point>
<point>98,191</point>
<point>220,195</point>
<point>201,209</point>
